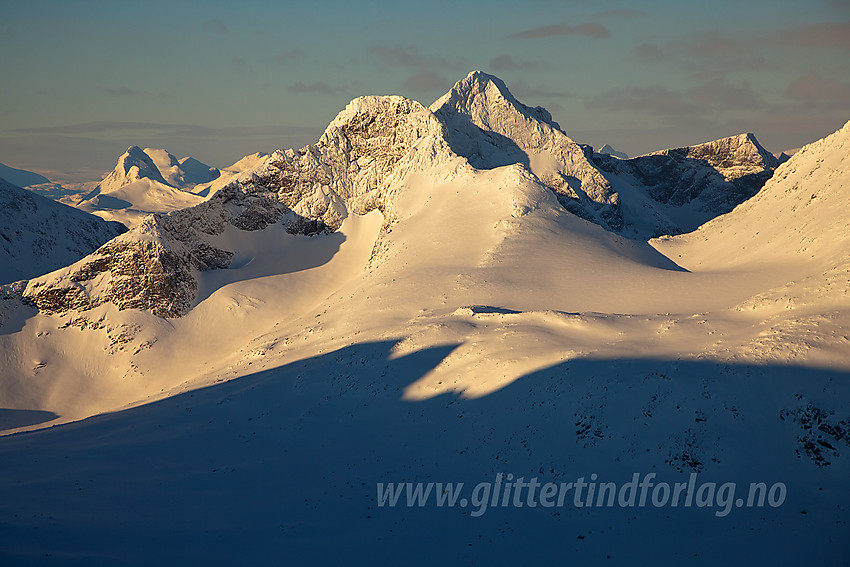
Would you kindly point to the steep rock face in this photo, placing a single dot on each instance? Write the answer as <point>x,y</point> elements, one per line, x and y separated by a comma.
<point>349,169</point>
<point>38,235</point>
<point>491,128</point>
<point>710,179</point>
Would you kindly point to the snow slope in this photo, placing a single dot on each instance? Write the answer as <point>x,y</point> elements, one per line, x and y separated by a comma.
<point>39,235</point>
<point>238,170</point>
<point>409,300</point>
<point>184,173</point>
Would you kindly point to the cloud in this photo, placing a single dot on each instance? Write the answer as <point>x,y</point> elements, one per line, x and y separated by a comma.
<point>707,54</point>
<point>407,56</point>
<point>622,14</point>
<point>104,128</point>
<point>720,95</point>
<point>216,25</point>
<point>317,88</point>
<point>122,91</point>
<point>716,52</point>
<point>814,89</point>
<point>713,97</point>
<point>522,89</point>
<point>505,62</point>
<point>590,29</point>
<point>427,81</point>
<point>287,57</point>
<point>828,35</point>
<point>657,100</point>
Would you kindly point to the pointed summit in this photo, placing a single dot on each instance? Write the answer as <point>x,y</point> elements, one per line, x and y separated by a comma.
<point>134,164</point>
<point>486,99</point>
<point>488,126</point>
<point>608,150</point>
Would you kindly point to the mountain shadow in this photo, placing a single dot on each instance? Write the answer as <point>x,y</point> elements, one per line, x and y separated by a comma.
<point>283,465</point>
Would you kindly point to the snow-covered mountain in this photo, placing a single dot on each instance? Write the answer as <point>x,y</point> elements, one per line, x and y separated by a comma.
<point>144,182</point>
<point>688,186</point>
<point>607,150</point>
<point>184,173</point>
<point>21,177</point>
<point>799,221</point>
<point>490,128</point>
<point>242,168</point>
<point>34,182</point>
<point>39,235</point>
<point>442,294</point>
<point>356,166</point>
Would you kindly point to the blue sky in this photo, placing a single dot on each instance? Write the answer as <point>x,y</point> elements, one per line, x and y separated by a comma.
<point>82,80</point>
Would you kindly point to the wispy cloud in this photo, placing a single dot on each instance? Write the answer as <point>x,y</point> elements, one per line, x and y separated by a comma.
<point>287,57</point>
<point>315,88</point>
<point>216,25</point>
<point>708,54</point>
<point>426,81</point>
<point>822,91</point>
<point>711,97</point>
<point>106,128</point>
<point>716,52</point>
<point>122,91</point>
<point>621,14</point>
<point>828,35</point>
<point>589,29</point>
<point>657,100</point>
<point>407,56</point>
<point>718,94</point>
<point>522,89</point>
<point>505,62</point>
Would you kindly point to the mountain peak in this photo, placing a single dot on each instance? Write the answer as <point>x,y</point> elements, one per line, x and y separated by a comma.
<point>742,153</point>
<point>607,149</point>
<point>135,157</point>
<point>485,98</point>
<point>733,156</point>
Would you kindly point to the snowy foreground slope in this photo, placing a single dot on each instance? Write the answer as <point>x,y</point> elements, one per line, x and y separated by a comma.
<point>437,294</point>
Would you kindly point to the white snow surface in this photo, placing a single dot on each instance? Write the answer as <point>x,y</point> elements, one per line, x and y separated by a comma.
<point>459,322</point>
